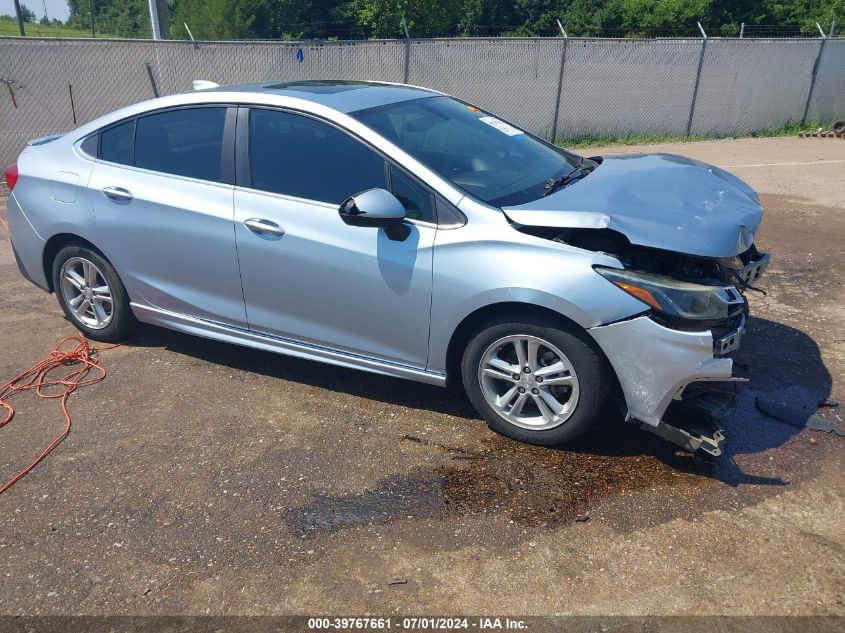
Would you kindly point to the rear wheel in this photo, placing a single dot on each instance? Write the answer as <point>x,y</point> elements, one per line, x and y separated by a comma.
<point>91,294</point>
<point>533,381</point>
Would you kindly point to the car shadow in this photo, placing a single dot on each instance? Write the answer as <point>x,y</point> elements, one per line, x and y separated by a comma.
<point>781,362</point>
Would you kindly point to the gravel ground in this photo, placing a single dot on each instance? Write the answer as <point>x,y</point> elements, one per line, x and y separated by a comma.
<point>202,478</point>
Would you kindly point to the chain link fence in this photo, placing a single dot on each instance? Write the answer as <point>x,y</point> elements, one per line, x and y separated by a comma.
<point>748,85</point>
<point>556,88</point>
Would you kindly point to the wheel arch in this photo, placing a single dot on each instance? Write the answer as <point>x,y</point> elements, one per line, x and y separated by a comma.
<point>56,243</point>
<point>515,310</point>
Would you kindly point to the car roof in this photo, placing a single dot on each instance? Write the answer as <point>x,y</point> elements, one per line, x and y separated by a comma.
<point>340,95</point>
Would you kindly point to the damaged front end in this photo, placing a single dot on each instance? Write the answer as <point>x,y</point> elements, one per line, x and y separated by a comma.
<point>683,234</point>
<point>694,314</point>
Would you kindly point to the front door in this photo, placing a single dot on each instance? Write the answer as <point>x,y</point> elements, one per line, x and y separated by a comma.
<point>306,275</point>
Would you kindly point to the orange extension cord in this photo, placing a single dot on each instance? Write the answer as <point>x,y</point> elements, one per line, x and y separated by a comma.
<point>82,358</point>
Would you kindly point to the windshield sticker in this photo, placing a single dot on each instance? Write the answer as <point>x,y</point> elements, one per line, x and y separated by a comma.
<point>500,125</point>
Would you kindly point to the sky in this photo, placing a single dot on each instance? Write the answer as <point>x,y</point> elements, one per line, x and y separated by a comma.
<point>55,8</point>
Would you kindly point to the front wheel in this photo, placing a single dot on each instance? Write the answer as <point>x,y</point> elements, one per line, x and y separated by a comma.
<point>535,382</point>
<point>91,294</point>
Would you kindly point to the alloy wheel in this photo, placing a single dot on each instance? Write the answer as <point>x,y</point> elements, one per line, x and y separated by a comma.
<point>86,293</point>
<point>529,382</point>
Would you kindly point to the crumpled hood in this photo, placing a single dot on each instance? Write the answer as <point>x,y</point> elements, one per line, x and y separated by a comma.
<point>658,200</point>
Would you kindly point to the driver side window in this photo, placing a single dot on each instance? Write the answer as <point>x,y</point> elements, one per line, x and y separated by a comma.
<point>298,156</point>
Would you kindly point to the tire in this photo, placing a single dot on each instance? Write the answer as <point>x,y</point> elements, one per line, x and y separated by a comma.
<point>579,402</point>
<point>109,321</point>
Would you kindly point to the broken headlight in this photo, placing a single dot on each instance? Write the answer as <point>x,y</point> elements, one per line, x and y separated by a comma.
<point>675,298</point>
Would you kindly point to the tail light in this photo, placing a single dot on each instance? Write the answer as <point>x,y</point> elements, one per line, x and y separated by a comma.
<point>11,176</point>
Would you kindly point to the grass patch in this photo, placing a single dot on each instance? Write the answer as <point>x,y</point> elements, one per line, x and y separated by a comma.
<point>9,26</point>
<point>591,140</point>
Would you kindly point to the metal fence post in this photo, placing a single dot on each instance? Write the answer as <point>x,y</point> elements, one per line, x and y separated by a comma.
<point>559,88</point>
<point>697,81</point>
<point>407,58</point>
<point>72,104</point>
<point>152,79</point>
<point>813,81</point>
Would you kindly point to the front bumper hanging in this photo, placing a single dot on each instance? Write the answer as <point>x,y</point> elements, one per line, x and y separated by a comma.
<point>695,421</point>
<point>657,368</point>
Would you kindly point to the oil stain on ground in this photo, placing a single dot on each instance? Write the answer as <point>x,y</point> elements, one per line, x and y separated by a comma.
<point>619,476</point>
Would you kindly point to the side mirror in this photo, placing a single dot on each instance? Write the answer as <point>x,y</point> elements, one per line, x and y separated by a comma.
<point>378,208</point>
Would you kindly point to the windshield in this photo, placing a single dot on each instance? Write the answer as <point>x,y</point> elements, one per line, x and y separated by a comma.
<point>483,155</point>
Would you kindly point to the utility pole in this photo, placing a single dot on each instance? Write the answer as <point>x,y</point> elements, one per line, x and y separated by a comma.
<point>154,19</point>
<point>44,2</point>
<point>18,13</point>
<point>159,19</point>
<point>91,7</point>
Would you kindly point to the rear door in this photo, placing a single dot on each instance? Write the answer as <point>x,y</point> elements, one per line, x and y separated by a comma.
<point>162,192</point>
<point>310,277</point>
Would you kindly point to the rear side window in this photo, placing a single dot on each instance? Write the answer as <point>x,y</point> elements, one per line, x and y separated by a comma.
<point>299,156</point>
<point>90,144</point>
<point>116,143</point>
<point>184,142</point>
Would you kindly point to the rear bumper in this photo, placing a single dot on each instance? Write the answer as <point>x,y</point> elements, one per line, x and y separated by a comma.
<point>27,244</point>
<point>654,363</point>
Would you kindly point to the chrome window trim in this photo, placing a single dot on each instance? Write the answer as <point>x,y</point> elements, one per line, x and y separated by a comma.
<point>77,148</point>
<point>287,197</point>
<point>77,144</point>
<point>246,106</point>
<point>163,174</point>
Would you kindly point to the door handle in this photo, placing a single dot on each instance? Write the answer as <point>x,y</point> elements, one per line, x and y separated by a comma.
<point>264,228</point>
<point>118,194</point>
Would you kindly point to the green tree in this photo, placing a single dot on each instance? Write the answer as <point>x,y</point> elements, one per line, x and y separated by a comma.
<point>27,14</point>
<point>487,17</point>
<point>305,19</point>
<point>383,18</point>
<point>248,19</point>
<point>123,18</point>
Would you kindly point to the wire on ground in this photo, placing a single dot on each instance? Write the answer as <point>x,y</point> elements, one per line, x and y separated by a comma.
<point>82,359</point>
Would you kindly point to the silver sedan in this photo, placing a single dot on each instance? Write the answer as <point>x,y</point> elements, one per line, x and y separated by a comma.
<point>398,230</point>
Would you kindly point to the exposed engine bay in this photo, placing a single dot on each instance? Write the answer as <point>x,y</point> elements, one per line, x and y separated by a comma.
<point>742,271</point>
